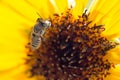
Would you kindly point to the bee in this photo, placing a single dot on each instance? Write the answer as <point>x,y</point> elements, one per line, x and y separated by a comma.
<point>38,31</point>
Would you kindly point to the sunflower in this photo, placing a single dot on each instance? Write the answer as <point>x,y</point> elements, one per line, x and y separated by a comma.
<point>17,19</point>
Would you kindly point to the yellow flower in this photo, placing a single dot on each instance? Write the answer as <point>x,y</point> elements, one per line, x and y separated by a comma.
<point>17,18</point>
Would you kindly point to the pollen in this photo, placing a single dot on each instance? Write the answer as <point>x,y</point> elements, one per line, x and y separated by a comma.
<point>72,49</point>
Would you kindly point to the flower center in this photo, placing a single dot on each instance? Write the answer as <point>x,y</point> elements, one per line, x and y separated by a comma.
<point>72,49</point>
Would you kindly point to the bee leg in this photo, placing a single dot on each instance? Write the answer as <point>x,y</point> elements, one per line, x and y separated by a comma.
<point>41,38</point>
<point>28,46</point>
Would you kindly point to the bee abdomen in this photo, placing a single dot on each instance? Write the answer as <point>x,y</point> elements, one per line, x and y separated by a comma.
<point>35,43</point>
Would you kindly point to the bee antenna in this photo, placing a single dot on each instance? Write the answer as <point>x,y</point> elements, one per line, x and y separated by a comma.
<point>38,14</point>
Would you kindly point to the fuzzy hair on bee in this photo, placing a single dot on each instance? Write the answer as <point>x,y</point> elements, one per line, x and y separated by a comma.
<point>38,32</point>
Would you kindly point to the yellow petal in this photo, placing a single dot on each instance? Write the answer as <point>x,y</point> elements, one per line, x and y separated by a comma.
<point>107,13</point>
<point>16,73</point>
<point>12,43</point>
<point>62,5</point>
<point>24,11</point>
<point>115,73</point>
<point>79,8</point>
<point>113,55</point>
<point>43,7</point>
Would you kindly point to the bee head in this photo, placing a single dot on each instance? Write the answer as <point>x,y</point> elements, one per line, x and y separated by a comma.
<point>39,20</point>
<point>45,23</point>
